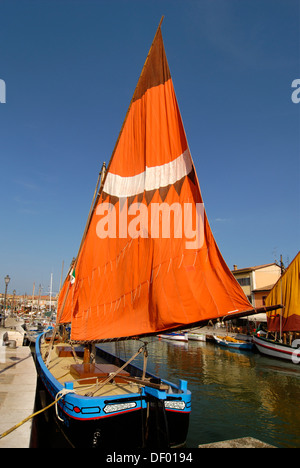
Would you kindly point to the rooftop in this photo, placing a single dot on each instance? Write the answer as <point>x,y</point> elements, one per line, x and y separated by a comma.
<point>253,268</point>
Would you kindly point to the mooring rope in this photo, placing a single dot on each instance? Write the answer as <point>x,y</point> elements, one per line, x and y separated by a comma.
<point>59,395</point>
<point>64,391</point>
<point>4,434</point>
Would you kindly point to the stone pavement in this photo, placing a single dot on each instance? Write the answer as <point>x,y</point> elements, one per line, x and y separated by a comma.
<point>18,380</point>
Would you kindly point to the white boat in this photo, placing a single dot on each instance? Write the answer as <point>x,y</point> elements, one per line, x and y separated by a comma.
<point>278,350</point>
<point>37,326</point>
<point>174,336</point>
<point>196,336</point>
<point>283,325</point>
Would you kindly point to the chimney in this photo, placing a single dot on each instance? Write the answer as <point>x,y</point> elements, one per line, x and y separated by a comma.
<point>235,267</point>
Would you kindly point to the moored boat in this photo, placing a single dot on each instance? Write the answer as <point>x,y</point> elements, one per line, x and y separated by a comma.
<point>140,271</point>
<point>282,340</point>
<point>230,342</point>
<point>174,336</point>
<point>106,405</point>
<point>193,336</point>
<point>274,349</point>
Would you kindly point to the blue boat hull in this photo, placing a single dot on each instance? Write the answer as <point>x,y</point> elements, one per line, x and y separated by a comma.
<point>246,346</point>
<point>243,346</point>
<point>147,419</point>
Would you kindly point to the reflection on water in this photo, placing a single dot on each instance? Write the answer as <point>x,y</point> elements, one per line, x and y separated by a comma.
<point>234,393</point>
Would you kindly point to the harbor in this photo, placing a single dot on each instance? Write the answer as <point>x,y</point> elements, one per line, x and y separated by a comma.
<point>17,370</point>
<point>240,398</point>
<point>235,393</point>
<point>245,396</point>
<point>146,338</point>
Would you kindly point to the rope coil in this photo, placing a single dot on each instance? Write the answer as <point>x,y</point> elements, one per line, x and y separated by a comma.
<point>59,395</point>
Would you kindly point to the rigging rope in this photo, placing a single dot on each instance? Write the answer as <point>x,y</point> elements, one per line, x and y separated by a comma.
<point>112,375</point>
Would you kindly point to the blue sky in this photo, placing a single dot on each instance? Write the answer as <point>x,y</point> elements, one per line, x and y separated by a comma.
<point>70,68</point>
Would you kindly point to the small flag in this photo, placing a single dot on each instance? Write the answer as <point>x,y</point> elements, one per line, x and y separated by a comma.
<point>72,277</point>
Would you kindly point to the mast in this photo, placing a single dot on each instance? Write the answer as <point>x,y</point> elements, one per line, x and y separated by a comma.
<point>50,305</point>
<point>61,276</point>
<point>32,299</point>
<point>39,299</point>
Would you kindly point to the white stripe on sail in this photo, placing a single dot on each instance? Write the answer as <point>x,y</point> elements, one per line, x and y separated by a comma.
<point>151,179</point>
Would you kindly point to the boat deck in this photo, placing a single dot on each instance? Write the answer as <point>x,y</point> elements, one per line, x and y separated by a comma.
<point>64,368</point>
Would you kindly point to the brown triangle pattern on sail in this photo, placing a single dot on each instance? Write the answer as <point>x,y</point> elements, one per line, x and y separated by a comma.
<point>163,192</point>
<point>104,196</point>
<point>131,200</point>
<point>178,185</point>
<point>149,194</point>
<point>192,176</point>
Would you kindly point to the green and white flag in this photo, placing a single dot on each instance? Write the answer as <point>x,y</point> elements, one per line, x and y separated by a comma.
<point>72,276</point>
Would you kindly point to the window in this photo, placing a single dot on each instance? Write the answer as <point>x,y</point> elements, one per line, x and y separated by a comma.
<point>244,281</point>
<point>264,300</point>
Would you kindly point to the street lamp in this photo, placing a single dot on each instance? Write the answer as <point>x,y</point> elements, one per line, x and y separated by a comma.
<point>7,280</point>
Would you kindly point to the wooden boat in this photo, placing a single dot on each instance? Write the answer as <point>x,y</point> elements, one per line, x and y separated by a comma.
<point>230,342</point>
<point>133,278</point>
<point>105,406</point>
<point>283,326</point>
<point>174,336</point>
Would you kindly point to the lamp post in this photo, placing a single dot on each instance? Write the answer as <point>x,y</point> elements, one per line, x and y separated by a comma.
<point>7,280</point>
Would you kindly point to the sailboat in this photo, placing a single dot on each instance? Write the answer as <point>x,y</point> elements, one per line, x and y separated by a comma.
<point>147,264</point>
<point>283,338</point>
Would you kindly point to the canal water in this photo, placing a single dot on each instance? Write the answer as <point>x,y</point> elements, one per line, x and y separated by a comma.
<point>234,393</point>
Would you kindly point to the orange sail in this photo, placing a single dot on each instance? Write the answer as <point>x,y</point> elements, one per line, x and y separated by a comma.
<point>65,301</point>
<point>149,262</point>
<point>287,292</point>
